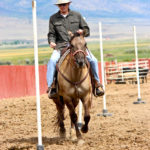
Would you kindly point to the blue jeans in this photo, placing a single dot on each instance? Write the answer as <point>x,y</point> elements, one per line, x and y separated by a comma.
<point>51,66</point>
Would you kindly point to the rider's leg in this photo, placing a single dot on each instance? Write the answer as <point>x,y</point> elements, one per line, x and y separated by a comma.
<point>51,68</point>
<point>94,66</point>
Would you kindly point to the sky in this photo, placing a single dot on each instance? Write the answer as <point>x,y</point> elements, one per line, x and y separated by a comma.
<point>16,17</point>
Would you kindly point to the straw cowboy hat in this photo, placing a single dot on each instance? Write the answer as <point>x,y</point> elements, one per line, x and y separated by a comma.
<point>62,2</point>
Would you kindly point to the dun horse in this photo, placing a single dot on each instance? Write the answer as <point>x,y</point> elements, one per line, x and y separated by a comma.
<point>74,83</point>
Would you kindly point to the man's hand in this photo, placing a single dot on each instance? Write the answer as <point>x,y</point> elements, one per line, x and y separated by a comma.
<point>52,45</point>
<point>80,31</point>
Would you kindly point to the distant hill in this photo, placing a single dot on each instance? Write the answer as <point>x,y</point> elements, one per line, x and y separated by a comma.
<point>20,43</point>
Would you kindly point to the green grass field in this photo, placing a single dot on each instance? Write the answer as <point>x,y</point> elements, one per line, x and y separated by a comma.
<point>113,50</point>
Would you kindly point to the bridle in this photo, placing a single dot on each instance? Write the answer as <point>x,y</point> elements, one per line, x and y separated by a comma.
<point>72,55</point>
<point>78,51</point>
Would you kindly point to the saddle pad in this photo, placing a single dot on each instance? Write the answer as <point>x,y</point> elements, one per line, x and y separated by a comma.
<point>63,57</point>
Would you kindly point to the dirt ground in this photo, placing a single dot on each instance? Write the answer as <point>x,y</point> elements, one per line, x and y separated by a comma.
<point>127,129</point>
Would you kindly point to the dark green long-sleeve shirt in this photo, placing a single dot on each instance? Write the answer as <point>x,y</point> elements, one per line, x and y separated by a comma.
<point>59,27</point>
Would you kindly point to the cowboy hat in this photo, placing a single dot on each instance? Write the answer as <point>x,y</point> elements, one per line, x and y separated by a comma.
<point>62,2</point>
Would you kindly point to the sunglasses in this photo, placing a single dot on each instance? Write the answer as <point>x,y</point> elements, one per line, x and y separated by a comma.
<point>62,5</point>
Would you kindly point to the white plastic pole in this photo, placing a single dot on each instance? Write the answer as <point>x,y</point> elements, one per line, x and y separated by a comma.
<point>137,65</point>
<point>102,64</point>
<point>36,72</point>
<point>139,101</point>
<point>80,115</point>
<point>105,112</point>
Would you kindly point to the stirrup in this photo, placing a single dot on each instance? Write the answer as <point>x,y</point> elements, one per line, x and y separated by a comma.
<point>52,93</point>
<point>99,92</point>
<point>96,90</point>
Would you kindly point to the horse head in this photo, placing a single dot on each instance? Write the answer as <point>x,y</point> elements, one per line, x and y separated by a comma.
<point>78,49</point>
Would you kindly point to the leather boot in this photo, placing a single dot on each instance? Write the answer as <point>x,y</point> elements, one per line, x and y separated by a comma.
<point>52,91</point>
<point>52,94</point>
<point>99,91</point>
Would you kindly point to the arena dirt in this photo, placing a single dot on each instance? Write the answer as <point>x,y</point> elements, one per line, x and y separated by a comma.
<point>127,129</point>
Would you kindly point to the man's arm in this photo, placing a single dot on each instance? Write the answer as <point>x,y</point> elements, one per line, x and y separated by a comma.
<point>51,35</point>
<point>84,26</point>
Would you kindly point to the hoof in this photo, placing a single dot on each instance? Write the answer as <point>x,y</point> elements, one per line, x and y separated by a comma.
<point>62,133</point>
<point>84,129</point>
<point>81,142</point>
<point>73,136</point>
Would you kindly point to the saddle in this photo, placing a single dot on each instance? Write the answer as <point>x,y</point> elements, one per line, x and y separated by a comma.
<point>64,53</point>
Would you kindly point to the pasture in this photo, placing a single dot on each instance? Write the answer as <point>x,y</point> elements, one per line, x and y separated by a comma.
<point>122,50</point>
<point>127,129</point>
<point>19,56</point>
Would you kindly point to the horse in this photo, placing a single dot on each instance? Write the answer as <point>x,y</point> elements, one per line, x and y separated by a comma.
<point>74,83</point>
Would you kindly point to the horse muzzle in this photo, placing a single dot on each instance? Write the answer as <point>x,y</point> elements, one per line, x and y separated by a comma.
<point>80,58</point>
<point>80,62</point>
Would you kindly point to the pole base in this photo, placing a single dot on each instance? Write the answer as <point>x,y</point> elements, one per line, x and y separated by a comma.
<point>139,101</point>
<point>79,125</point>
<point>105,113</point>
<point>40,147</point>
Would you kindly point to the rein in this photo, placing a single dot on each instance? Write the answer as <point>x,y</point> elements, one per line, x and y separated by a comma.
<point>78,82</point>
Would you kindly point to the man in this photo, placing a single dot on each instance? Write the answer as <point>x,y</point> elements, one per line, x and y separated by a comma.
<point>60,24</point>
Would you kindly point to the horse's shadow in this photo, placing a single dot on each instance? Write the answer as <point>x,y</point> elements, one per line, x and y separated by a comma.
<point>34,140</point>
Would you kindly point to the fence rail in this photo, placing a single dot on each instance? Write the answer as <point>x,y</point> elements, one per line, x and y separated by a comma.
<point>121,72</point>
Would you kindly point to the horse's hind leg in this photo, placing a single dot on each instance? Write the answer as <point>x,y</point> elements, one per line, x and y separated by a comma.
<point>87,105</point>
<point>60,117</point>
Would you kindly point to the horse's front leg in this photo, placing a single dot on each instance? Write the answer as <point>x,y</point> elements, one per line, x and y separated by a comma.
<point>73,117</point>
<point>62,130</point>
<point>72,129</point>
<point>60,117</point>
<point>87,106</point>
<point>72,132</point>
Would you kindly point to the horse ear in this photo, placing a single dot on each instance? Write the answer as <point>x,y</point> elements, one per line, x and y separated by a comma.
<point>84,33</point>
<point>70,34</point>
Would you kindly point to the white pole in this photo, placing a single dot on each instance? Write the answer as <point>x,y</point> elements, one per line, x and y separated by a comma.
<point>137,67</point>
<point>37,74</point>
<point>80,115</point>
<point>102,63</point>
<point>105,74</point>
<point>105,113</point>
